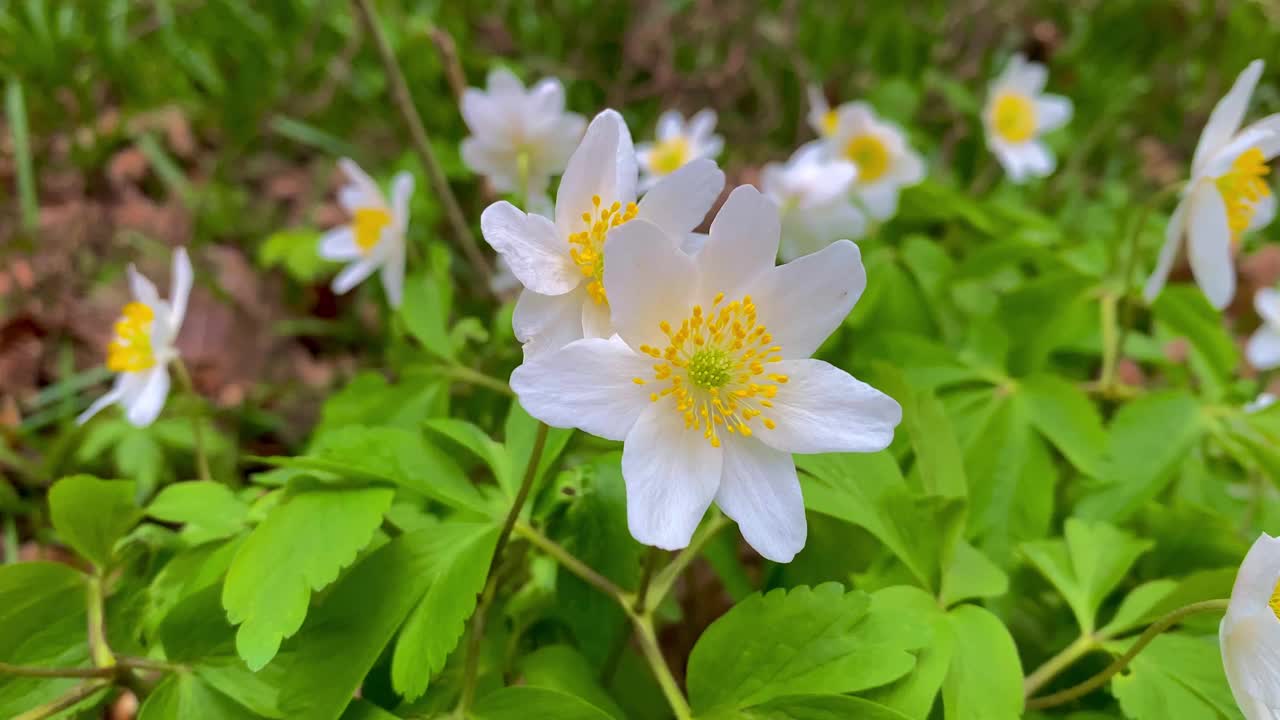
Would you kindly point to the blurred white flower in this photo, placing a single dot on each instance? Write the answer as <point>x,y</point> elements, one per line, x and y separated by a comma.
<point>678,143</point>
<point>145,343</point>
<point>823,118</point>
<point>812,192</point>
<point>709,382</point>
<point>1018,112</point>
<point>1263,349</point>
<point>374,240</point>
<point>1260,403</point>
<point>1250,632</point>
<point>561,263</point>
<point>518,133</point>
<point>1226,195</point>
<point>879,150</point>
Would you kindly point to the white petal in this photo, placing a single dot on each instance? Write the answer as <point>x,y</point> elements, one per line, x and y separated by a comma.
<point>1267,130</point>
<point>1256,579</point>
<point>144,291</point>
<point>693,242</point>
<point>804,301</point>
<point>595,319</point>
<point>742,246</point>
<point>1024,76</point>
<point>909,169</point>
<point>1227,115</point>
<point>1254,136</point>
<point>680,201</point>
<point>401,193</point>
<point>760,491</point>
<point>1209,245</point>
<point>545,101</point>
<point>588,384</point>
<point>548,322</point>
<point>1267,302</point>
<point>182,277</point>
<point>1263,349</point>
<point>494,163</point>
<point>109,397</point>
<point>361,181</point>
<point>339,244</point>
<point>593,170</point>
<point>1052,112</point>
<point>537,253</point>
<point>1264,211</point>
<point>480,113</point>
<point>354,274</point>
<point>143,409</point>
<point>880,200</point>
<point>1251,658</point>
<point>392,274</point>
<point>672,474</point>
<point>1037,159</point>
<point>710,148</point>
<point>702,124</point>
<point>1010,159</point>
<point>670,124</point>
<point>564,138</point>
<point>502,81</point>
<point>822,408</point>
<point>1173,233</point>
<point>648,280</point>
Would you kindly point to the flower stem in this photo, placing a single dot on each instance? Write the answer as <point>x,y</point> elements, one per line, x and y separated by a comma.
<point>99,650</point>
<point>646,576</point>
<point>653,654</point>
<point>666,579</point>
<point>475,377</point>
<point>1082,646</point>
<point>422,142</point>
<point>69,700</point>
<point>572,564</point>
<point>43,672</point>
<point>1120,663</point>
<point>197,427</point>
<point>471,667</point>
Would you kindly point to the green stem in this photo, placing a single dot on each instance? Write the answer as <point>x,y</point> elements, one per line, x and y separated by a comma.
<point>197,427</point>
<point>10,539</point>
<point>43,672</point>
<point>573,564</point>
<point>1150,634</point>
<point>475,377</point>
<point>1110,341</point>
<point>666,579</point>
<point>1082,646</point>
<point>69,700</point>
<point>471,668</point>
<point>522,165</point>
<point>422,142</point>
<point>99,650</point>
<point>646,576</point>
<point>653,655</point>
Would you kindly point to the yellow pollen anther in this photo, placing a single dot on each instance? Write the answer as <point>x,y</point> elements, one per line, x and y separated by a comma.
<point>713,369</point>
<point>131,351</point>
<point>367,225</point>
<point>830,122</point>
<point>668,156</point>
<point>1013,117</point>
<point>869,155</point>
<point>1275,600</point>
<point>587,246</point>
<point>1242,186</point>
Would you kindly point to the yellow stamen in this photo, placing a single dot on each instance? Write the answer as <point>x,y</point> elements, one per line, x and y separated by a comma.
<point>587,248</point>
<point>713,369</point>
<point>669,155</point>
<point>1275,600</point>
<point>1013,117</point>
<point>367,224</point>
<point>131,351</point>
<point>830,122</point>
<point>870,156</point>
<point>1242,187</point>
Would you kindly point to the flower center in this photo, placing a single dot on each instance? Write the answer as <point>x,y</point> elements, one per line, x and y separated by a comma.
<point>869,155</point>
<point>131,351</point>
<point>1013,117</point>
<point>669,155</point>
<point>715,369</point>
<point>1242,187</point>
<point>368,224</point>
<point>1275,600</point>
<point>830,121</point>
<point>588,245</point>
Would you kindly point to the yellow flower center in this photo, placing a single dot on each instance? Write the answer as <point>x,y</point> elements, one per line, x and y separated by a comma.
<point>1013,117</point>
<point>870,156</point>
<point>367,224</point>
<point>588,245</point>
<point>1242,187</point>
<point>715,369</point>
<point>830,121</point>
<point>130,351</point>
<point>669,155</point>
<point>1275,600</point>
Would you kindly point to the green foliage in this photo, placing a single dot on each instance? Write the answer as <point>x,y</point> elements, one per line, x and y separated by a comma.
<point>91,515</point>
<point>1171,677</point>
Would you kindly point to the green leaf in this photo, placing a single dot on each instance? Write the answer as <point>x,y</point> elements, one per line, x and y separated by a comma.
<point>363,710</point>
<point>1150,601</point>
<point>324,664</point>
<point>1147,441</point>
<point>209,510</point>
<point>1064,414</point>
<point>370,400</point>
<point>459,569</point>
<point>523,703</point>
<point>563,668</point>
<point>520,433</point>
<point>183,695</point>
<point>91,515</point>
<point>805,641</point>
<point>971,575</point>
<point>426,315</point>
<point>479,444</point>
<point>296,250</point>
<point>939,461</point>
<point>300,547</point>
<point>914,694</point>
<point>42,624</point>
<point>1175,676</point>
<point>984,680</point>
<point>1086,565</point>
<point>1186,311</point>
<point>821,707</point>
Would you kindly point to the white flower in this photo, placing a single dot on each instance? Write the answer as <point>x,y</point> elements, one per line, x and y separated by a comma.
<point>145,343</point>
<point>1018,112</point>
<point>515,132</point>
<point>811,191</point>
<point>1263,349</point>
<point>1226,195</point>
<point>1250,632</point>
<point>709,381</point>
<point>561,262</point>
<point>375,238</point>
<point>1260,403</point>
<point>879,150</point>
<point>823,118</point>
<point>678,143</point>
